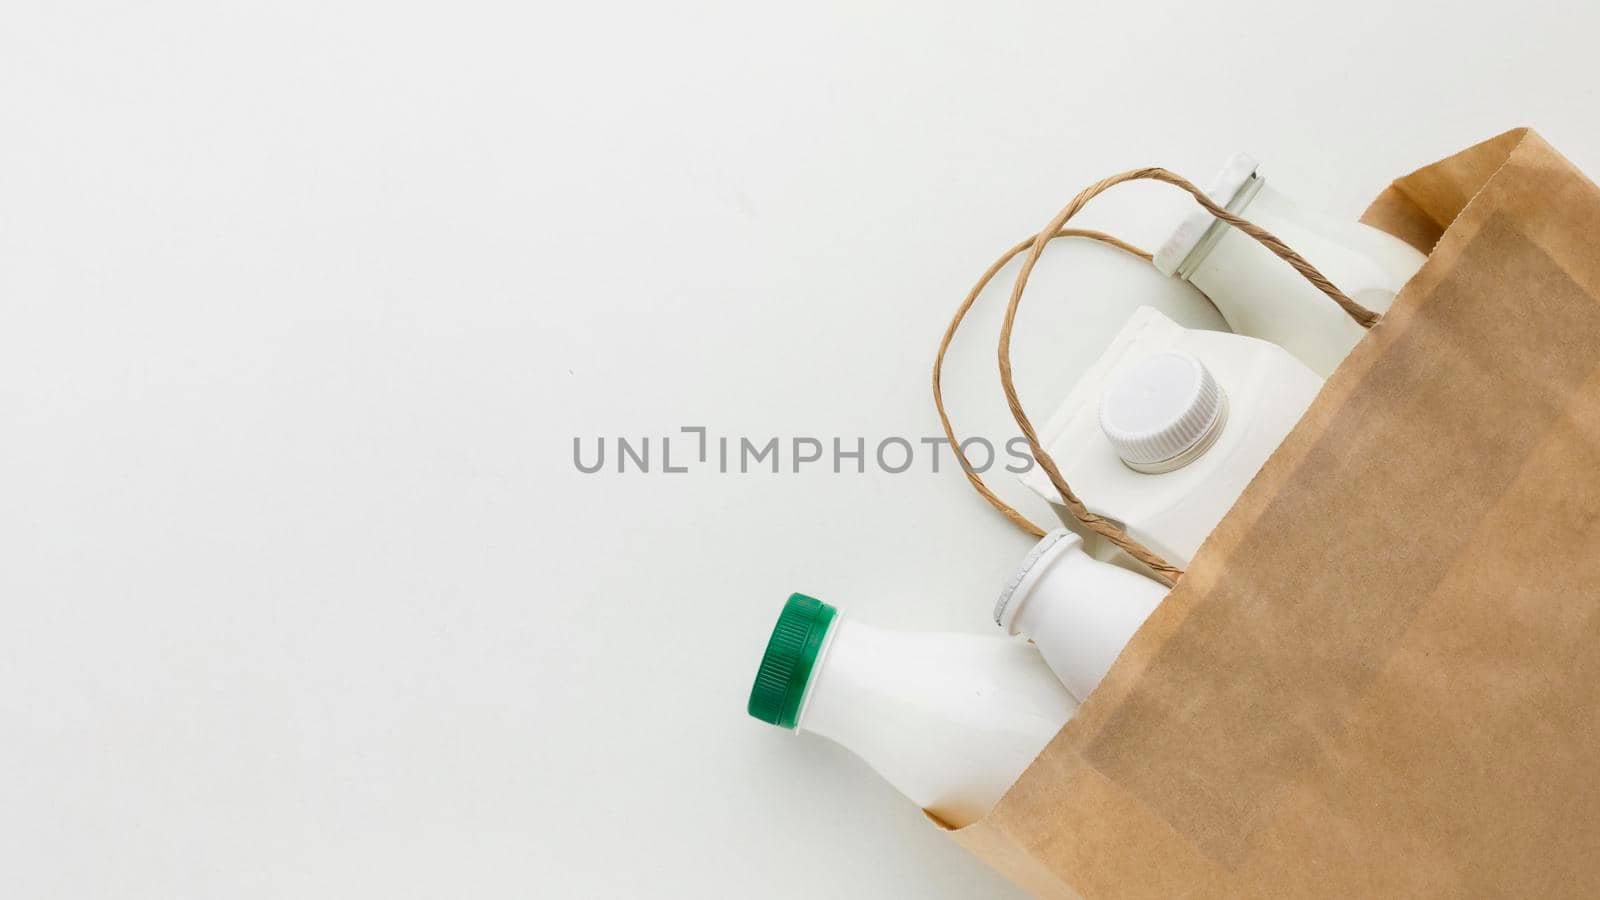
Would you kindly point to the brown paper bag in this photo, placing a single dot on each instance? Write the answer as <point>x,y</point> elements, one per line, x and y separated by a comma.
<point>1380,676</point>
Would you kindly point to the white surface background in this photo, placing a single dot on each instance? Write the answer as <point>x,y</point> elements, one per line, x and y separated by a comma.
<point>304,304</point>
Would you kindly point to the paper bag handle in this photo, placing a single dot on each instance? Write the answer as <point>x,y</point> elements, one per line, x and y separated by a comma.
<point>1035,245</point>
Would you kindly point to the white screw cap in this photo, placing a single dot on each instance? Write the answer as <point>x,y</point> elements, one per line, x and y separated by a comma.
<point>1163,412</point>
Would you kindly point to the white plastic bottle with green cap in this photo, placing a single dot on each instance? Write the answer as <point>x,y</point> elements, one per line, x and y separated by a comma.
<point>1080,612</point>
<point>1165,429</point>
<point>1262,296</point>
<point>951,720</point>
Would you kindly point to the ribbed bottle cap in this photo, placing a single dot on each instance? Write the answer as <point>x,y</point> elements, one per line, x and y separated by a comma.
<point>1163,412</point>
<point>780,685</point>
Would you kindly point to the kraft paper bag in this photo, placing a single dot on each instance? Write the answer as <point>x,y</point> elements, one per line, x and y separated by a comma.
<point>1380,676</point>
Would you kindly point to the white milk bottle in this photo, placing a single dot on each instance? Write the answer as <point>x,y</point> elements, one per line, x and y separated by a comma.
<point>1165,429</point>
<point>1259,294</point>
<point>1077,610</point>
<point>951,720</point>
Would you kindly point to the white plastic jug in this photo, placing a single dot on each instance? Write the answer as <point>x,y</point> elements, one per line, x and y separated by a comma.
<point>951,720</point>
<point>1167,427</point>
<point>1079,611</point>
<point>1262,296</point>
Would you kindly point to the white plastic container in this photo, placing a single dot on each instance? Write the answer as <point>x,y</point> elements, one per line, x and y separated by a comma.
<point>1167,427</point>
<point>1262,296</point>
<point>1078,611</point>
<point>951,720</point>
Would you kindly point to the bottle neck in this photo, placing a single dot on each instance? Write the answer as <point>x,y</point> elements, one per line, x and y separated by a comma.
<point>1241,201</point>
<point>860,678</point>
<point>1080,613</point>
<point>950,720</point>
<point>819,670</point>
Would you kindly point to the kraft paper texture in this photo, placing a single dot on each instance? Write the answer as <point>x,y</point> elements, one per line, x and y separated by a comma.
<point>1380,677</point>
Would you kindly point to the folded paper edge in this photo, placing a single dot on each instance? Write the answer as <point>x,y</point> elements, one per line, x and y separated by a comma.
<point>1417,208</point>
<point>1000,851</point>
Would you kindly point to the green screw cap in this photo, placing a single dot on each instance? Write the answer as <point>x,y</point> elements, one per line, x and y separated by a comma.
<point>786,666</point>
